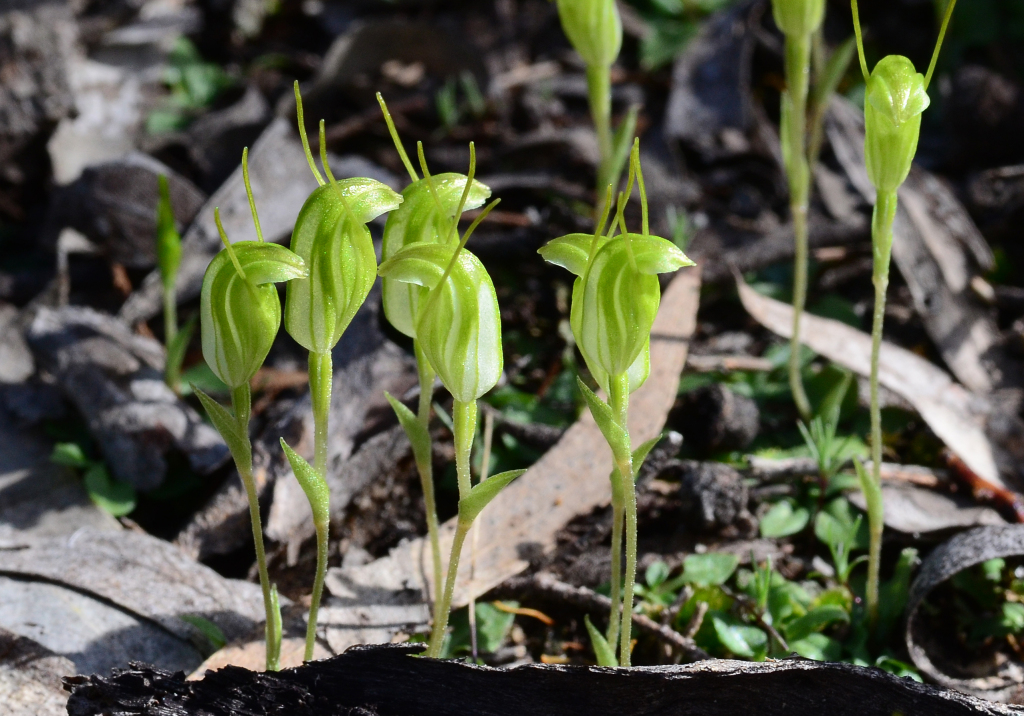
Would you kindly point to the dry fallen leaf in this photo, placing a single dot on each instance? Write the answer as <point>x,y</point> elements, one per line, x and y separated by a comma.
<point>954,414</point>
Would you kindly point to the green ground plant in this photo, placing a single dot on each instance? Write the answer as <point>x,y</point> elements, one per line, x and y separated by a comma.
<point>429,213</point>
<point>457,326</point>
<point>331,237</point>
<point>896,97</point>
<point>168,254</point>
<point>615,298</point>
<point>240,317</point>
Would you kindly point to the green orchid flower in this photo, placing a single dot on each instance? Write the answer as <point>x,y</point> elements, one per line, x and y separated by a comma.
<point>896,97</point>
<point>240,314</point>
<point>614,302</point>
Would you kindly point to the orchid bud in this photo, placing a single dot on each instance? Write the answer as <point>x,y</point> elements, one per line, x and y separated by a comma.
<point>594,29</point>
<point>425,215</point>
<point>331,237</point>
<point>893,105</point>
<point>798,18</point>
<point>240,308</point>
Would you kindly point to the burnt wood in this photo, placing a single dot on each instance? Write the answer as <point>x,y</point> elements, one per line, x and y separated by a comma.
<point>387,681</point>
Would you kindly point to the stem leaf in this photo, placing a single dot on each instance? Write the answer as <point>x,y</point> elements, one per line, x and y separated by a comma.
<point>478,498</point>
<point>602,649</point>
<point>312,483</point>
<point>227,426</point>
<point>614,433</point>
<point>414,430</point>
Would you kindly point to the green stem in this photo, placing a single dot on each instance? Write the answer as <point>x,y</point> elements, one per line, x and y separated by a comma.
<point>426,470</point>
<point>464,418</point>
<point>440,627</point>
<point>616,585</point>
<point>625,639</point>
<point>241,404</point>
<point>625,496</point>
<point>320,378</point>
<point>173,368</point>
<point>318,587</point>
<point>798,69</point>
<point>599,91</point>
<point>881,239</point>
<point>321,372</point>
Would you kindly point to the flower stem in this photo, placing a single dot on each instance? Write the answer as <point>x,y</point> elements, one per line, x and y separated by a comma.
<point>440,627</point>
<point>599,91</point>
<point>320,379</point>
<point>798,68</point>
<point>241,404</point>
<point>464,418</point>
<point>318,587</point>
<point>618,506</point>
<point>426,470</point>
<point>625,639</point>
<point>625,495</point>
<point>881,239</point>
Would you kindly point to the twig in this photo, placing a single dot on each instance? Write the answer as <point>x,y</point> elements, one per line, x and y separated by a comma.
<point>773,470</point>
<point>547,586</point>
<point>982,489</point>
<point>728,363</point>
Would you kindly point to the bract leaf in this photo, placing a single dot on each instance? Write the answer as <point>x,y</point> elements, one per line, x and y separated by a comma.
<point>640,454</point>
<point>480,496</point>
<point>614,433</point>
<point>602,649</point>
<point>312,483</point>
<point>229,429</point>
<point>417,433</point>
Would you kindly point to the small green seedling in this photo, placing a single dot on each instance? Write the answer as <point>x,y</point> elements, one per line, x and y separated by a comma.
<point>428,215</point>
<point>615,299</point>
<point>109,494</point>
<point>897,95</point>
<point>331,237</point>
<point>595,31</point>
<point>240,316</point>
<point>457,326</point>
<point>168,254</point>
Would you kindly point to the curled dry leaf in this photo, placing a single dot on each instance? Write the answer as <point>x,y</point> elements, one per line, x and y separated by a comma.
<point>959,553</point>
<point>954,414</point>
